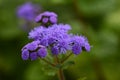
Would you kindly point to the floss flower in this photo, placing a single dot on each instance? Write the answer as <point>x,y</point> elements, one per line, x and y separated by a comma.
<point>33,50</point>
<point>46,18</point>
<point>28,11</point>
<point>55,37</point>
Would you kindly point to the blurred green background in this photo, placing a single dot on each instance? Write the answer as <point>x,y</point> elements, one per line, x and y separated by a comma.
<point>99,20</point>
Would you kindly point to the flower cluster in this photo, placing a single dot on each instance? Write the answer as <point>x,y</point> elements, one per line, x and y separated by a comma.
<point>46,18</point>
<point>33,50</point>
<point>55,37</point>
<point>28,11</point>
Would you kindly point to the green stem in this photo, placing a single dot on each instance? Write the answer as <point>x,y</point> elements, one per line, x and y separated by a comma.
<point>66,58</point>
<point>48,62</point>
<point>60,71</point>
<point>57,59</point>
<point>60,74</point>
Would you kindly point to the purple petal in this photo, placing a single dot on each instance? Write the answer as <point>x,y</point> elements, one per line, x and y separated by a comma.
<point>55,50</point>
<point>45,20</point>
<point>87,47</point>
<point>76,49</point>
<point>42,52</point>
<point>33,56</point>
<point>32,46</point>
<point>53,19</point>
<point>25,54</point>
<point>38,18</point>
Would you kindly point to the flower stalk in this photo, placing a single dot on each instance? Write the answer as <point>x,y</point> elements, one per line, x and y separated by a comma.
<point>60,71</point>
<point>48,62</point>
<point>66,58</point>
<point>61,74</point>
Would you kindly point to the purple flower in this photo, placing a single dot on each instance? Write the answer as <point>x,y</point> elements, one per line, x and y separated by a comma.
<point>60,28</point>
<point>63,45</point>
<point>55,50</point>
<point>33,45</point>
<point>33,50</point>
<point>42,52</point>
<point>87,47</point>
<point>55,37</point>
<point>76,49</point>
<point>28,11</point>
<point>25,54</point>
<point>38,33</point>
<point>52,40</point>
<point>46,18</point>
<point>33,56</point>
<point>80,42</point>
<point>56,31</point>
<point>44,42</point>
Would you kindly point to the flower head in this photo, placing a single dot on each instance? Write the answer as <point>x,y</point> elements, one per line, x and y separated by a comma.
<point>33,50</point>
<point>52,35</point>
<point>79,43</point>
<point>42,52</point>
<point>46,18</point>
<point>76,49</point>
<point>56,37</point>
<point>55,50</point>
<point>28,11</point>
<point>38,33</point>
